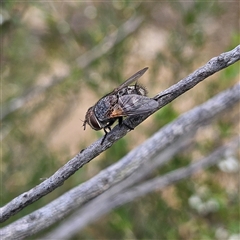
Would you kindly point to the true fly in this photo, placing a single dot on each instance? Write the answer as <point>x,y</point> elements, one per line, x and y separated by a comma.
<point>123,101</point>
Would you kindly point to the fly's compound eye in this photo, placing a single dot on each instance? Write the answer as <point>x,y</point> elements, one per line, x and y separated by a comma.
<point>93,122</point>
<point>91,119</point>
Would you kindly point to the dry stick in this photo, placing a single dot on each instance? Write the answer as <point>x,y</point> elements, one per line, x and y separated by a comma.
<point>58,178</point>
<point>96,209</point>
<point>62,206</point>
<point>83,61</point>
<point>179,145</point>
<point>107,202</point>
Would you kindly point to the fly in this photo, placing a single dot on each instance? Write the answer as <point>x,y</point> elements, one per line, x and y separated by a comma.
<point>125,100</point>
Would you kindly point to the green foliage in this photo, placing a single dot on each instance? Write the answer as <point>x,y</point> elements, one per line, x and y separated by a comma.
<point>116,152</point>
<point>166,115</point>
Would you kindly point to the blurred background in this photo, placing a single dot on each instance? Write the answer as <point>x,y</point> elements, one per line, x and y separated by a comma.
<point>59,58</point>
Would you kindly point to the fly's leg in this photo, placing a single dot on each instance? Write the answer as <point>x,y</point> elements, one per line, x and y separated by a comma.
<point>106,133</point>
<point>163,95</point>
<point>109,128</point>
<point>120,122</point>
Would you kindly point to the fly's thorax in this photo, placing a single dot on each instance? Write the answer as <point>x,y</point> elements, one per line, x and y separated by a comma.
<point>104,107</point>
<point>123,91</point>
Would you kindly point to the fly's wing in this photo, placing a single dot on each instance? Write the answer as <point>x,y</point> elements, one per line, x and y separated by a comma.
<point>133,78</point>
<point>133,104</point>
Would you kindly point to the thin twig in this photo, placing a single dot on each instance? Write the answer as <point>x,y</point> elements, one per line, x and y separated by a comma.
<point>228,97</point>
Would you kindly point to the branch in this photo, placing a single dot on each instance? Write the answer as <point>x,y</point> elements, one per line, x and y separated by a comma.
<point>228,98</point>
<point>56,210</point>
<point>110,200</point>
<point>83,61</point>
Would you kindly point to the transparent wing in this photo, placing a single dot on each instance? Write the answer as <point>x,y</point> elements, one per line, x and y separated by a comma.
<point>133,104</point>
<point>133,78</point>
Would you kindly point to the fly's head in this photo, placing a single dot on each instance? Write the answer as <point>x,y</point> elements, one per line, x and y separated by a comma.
<point>91,120</point>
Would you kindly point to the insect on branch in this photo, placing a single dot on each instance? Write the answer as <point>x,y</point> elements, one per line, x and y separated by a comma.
<point>125,100</point>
